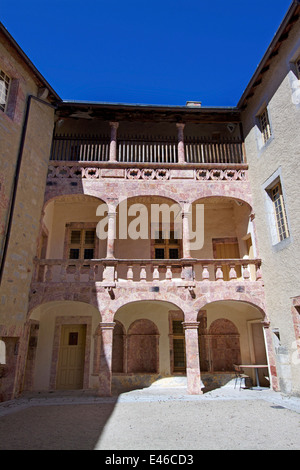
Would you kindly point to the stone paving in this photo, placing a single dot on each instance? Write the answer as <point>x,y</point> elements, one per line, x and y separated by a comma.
<point>160,417</point>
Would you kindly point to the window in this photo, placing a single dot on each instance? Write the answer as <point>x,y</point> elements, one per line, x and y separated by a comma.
<point>166,248</point>
<point>279,211</point>
<point>82,244</point>
<point>265,127</point>
<point>4,89</point>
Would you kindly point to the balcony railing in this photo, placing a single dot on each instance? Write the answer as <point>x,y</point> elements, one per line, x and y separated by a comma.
<point>147,270</point>
<point>89,148</point>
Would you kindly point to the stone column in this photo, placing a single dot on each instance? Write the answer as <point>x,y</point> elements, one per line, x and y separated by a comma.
<point>105,373</point>
<point>111,232</point>
<point>192,358</point>
<point>186,217</point>
<point>113,141</point>
<point>181,152</point>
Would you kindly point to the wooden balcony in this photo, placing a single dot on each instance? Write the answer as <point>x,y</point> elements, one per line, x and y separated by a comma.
<point>89,148</point>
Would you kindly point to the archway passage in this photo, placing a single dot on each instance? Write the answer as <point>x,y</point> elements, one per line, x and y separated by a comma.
<point>142,350</point>
<point>232,332</point>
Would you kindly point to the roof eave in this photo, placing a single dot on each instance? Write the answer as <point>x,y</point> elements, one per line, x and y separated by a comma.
<point>26,59</point>
<point>291,11</point>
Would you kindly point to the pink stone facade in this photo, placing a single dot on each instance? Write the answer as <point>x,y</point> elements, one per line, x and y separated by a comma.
<point>149,307</point>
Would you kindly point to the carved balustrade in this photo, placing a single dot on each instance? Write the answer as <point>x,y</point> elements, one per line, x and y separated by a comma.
<point>147,270</point>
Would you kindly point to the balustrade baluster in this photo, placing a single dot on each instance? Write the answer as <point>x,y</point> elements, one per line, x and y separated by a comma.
<point>258,272</point>
<point>155,275</point>
<point>232,272</point>
<point>77,273</point>
<point>219,273</point>
<point>205,273</point>
<point>169,273</point>
<point>129,273</point>
<point>63,273</point>
<point>92,272</point>
<point>143,274</point>
<point>246,273</point>
<point>48,276</point>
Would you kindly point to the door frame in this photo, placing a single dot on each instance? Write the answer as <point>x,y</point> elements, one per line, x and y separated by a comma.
<point>73,320</point>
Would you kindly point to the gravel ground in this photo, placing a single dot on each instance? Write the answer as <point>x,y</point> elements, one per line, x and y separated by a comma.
<point>152,419</point>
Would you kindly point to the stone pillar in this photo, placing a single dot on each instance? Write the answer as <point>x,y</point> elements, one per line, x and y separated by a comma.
<point>181,152</point>
<point>186,218</point>
<point>113,141</point>
<point>194,383</point>
<point>105,373</point>
<point>111,233</point>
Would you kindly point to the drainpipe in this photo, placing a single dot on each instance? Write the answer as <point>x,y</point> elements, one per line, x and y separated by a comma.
<point>16,179</point>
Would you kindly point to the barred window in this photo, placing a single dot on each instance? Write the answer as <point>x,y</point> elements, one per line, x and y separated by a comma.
<point>279,210</point>
<point>4,89</point>
<point>265,127</point>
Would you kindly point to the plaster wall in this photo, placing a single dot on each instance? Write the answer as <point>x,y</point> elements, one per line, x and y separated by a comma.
<point>46,315</point>
<point>279,157</point>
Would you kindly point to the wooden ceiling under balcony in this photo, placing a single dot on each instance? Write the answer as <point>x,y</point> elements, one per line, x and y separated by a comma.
<point>146,113</point>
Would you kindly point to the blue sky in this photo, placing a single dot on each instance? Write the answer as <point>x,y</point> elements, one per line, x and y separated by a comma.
<point>159,52</point>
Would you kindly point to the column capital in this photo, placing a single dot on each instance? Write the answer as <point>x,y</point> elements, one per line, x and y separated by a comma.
<point>190,325</point>
<point>107,325</point>
<point>180,125</point>
<point>114,124</point>
<point>185,208</point>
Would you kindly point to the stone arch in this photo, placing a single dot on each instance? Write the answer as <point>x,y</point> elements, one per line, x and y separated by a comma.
<point>60,294</point>
<point>72,198</point>
<point>236,194</point>
<point>142,347</point>
<point>126,298</point>
<point>234,296</point>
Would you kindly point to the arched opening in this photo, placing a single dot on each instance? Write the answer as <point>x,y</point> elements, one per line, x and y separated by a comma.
<point>231,332</point>
<point>227,234</point>
<point>147,228</point>
<point>143,349</point>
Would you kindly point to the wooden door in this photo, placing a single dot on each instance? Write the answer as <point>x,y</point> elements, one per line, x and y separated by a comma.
<point>227,250</point>
<point>71,357</point>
